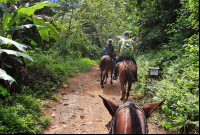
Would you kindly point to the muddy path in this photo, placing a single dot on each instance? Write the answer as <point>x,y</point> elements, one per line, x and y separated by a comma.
<point>81,111</point>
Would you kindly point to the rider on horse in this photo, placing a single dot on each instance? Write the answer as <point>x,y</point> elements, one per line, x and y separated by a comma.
<point>121,57</point>
<point>110,49</point>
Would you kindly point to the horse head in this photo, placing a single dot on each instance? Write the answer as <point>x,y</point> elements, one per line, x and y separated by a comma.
<point>129,118</point>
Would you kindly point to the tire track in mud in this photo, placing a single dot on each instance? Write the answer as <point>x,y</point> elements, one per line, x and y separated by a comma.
<point>81,111</point>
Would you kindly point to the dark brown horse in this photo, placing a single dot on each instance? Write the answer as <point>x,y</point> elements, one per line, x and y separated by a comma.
<point>126,71</point>
<point>129,118</point>
<point>106,64</point>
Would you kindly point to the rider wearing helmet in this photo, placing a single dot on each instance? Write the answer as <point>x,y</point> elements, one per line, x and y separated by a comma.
<point>121,57</point>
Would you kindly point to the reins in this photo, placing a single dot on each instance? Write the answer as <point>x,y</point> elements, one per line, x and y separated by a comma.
<point>111,124</point>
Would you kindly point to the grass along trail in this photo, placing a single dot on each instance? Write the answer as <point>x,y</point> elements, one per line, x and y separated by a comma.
<point>81,111</point>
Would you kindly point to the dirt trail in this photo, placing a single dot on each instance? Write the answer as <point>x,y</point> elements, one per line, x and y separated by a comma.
<point>81,111</point>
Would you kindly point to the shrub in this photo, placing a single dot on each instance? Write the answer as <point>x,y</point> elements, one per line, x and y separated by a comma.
<point>52,71</point>
<point>178,83</point>
<point>21,113</point>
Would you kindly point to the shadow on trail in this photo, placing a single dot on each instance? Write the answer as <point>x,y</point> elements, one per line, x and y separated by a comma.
<point>112,89</point>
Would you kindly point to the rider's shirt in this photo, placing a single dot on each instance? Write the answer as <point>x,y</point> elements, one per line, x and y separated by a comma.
<point>109,51</point>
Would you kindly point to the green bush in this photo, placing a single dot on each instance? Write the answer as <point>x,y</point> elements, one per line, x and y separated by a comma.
<point>51,71</point>
<point>178,83</point>
<point>20,113</point>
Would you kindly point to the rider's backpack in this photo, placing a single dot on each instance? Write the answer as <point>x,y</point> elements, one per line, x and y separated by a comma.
<point>127,49</point>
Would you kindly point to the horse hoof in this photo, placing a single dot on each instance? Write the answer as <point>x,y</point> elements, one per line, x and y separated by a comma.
<point>111,82</point>
<point>102,86</point>
<point>104,82</point>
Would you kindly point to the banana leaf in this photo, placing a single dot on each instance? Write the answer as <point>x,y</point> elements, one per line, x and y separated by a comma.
<point>30,11</point>
<point>3,90</point>
<point>27,26</point>
<point>18,54</point>
<point>59,25</point>
<point>4,40</point>
<point>5,76</point>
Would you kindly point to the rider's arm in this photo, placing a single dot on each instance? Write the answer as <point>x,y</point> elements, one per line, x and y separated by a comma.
<point>119,46</point>
<point>133,43</point>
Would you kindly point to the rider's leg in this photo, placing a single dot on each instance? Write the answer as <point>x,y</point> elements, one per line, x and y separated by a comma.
<point>113,57</point>
<point>133,59</point>
<point>120,58</point>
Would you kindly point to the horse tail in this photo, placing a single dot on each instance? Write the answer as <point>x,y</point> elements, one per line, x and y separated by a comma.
<point>129,73</point>
<point>102,62</point>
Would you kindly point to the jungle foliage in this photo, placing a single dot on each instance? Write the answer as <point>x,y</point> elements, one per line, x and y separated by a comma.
<point>168,37</point>
<point>41,45</point>
<point>44,43</point>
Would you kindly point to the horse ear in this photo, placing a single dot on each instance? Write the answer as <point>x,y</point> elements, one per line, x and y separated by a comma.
<point>151,107</point>
<point>111,107</point>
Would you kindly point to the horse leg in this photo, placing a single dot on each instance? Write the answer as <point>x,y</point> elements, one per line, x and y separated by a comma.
<point>101,83</point>
<point>111,77</point>
<point>122,89</point>
<point>129,89</point>
<point>103,78</point>
<point>106,75</point>
<point>124,94</point>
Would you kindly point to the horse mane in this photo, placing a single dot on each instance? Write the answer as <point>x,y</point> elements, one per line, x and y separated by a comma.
<point>135,121</point>
<point>103,62</point>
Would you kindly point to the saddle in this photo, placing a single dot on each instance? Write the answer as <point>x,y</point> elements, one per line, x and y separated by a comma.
<point>105,56</point>
<point>124,63</point>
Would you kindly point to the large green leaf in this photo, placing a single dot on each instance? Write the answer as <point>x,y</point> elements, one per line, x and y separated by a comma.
<point>52,30</point>
<point>33,37</point>
<point>3,91</point>
<point>4,40</point>
<point>59,25</point>
<point>8,1</point>
<point>6,18</point>
<point>5,76</point>
<point>27,26</point>
<point>43,31</point>
<point>11,52</point>
<point>44,34</point>
<point>30,10</point>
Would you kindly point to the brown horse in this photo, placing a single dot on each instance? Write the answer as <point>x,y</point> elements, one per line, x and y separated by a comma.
<point>126,71</point>
<point>129,118</point>
<point>106,64</point>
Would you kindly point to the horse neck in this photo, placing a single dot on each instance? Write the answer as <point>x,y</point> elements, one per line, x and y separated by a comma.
<point>130,121</point>
<point>123,122</point>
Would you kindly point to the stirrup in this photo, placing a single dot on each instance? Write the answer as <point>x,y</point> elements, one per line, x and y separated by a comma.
<point>115,78</point>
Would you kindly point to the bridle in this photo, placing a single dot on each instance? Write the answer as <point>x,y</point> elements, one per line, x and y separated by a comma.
<point>111,124</point>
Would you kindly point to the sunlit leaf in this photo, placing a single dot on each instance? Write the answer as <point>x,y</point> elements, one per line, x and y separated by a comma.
<point>3,90</point>
<point>59,25</point>
<point>11,52</point>
<point>27,26</point>
<point>6,18</point>
<point>8,1</point>
<point>4,40</point>
<point>30,10</point>
<point>5,76</point>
